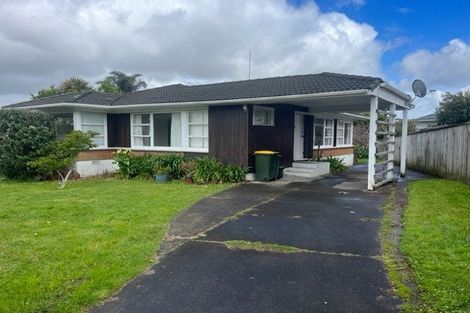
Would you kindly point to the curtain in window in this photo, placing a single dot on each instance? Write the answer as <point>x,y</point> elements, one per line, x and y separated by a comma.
<point>176,130</point>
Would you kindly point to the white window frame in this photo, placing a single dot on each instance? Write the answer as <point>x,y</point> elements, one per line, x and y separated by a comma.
<point>206,124</point>
<point>338,127</point>
<point>78,125</point>
<point>332,132</point>
<point>322,146</point>
<point>264,109</point>
<point>184,133</point>
<point>345,144</point>
<point>150,135</point>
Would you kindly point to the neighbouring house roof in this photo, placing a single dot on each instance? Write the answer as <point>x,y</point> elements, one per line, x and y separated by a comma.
<point>245,89</point>
<point>426,118</point>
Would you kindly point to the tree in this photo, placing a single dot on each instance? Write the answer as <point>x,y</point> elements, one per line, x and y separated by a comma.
<point>46,92</point>
<point>108,86</point>
<point>124,82</point>
<point>74,84</point>
<point>399,127</point>
<point>63,155</point>
<point>454,108</point>
<point>24,136</point>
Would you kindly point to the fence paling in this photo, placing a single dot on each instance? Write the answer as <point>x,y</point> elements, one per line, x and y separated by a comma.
<point>443,152</point>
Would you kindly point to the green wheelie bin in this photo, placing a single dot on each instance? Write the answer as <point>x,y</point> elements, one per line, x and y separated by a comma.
<point>266,165</point>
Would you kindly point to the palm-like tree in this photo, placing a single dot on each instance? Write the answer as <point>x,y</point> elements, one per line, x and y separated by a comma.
<point>74,84</point>
<point>124,82</point>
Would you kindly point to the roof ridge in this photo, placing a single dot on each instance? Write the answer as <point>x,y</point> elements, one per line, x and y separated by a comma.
<point>351,75</point>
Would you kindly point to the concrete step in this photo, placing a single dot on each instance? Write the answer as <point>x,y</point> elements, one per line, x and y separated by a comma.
<point>308,169</point>
<point>300,174</point>
<point>303,164</point>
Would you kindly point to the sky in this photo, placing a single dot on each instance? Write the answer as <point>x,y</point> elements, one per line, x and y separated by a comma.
<point>43,42</point>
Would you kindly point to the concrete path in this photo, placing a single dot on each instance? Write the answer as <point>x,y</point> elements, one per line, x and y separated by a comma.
<point>333,220</point>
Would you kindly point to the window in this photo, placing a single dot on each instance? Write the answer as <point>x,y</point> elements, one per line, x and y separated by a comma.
<point>95,122</point>
<point>64,124</point>
<point>323,132</point>
<point>340,133</point>
<point>319,127</point>
<point>198,130</point>
<point>263,116</point>
<point>141,124</point>
<point>328,137</point>
<point>344,133</point>
<point>165,131</point>
<point>348,133</point>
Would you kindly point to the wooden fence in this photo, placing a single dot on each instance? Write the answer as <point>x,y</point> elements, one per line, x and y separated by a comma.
<point>443,152</point>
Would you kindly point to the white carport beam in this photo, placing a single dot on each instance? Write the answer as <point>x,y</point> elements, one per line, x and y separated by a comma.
<point>404,143</point>
<point>374,103</point>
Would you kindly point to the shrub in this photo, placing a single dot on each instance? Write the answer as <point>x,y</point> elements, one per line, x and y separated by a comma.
<point>361,152</point>
<point>209,170</point>
<point>200,171</point>
<point>172,163</point>
<point>131,165</point>
<point>63,154</point>
<point>336,165</point>
<point>24,137</point>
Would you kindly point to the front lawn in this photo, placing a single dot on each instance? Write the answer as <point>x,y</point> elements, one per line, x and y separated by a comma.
<point>65,250</point>
<point>436,240</point>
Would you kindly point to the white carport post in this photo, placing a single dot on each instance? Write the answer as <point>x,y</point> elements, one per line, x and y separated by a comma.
<point>404,142</point>
<point>374,102</point>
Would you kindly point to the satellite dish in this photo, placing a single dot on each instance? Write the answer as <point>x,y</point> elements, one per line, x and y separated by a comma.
<point>419,88</point>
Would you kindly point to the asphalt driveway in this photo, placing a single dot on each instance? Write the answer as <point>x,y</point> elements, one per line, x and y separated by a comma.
<point>333,220</point>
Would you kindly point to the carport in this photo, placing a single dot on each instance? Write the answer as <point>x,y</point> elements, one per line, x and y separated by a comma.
<point>383,100</point>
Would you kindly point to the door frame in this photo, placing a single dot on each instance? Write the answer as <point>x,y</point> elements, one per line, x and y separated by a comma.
<point>300,155</point>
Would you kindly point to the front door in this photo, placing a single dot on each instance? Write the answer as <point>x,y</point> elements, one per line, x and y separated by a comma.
<point>299,137</point>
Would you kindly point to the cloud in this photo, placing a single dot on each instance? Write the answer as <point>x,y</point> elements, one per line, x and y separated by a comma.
<point>344,3</point>
<point>44,41</point>
<point>447,68</point>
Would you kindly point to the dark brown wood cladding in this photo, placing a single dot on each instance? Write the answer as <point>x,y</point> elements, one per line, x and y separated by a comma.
<point>119,130</point>
<point>308,136</point>
<point>279,137</point>
<point>228,134</point>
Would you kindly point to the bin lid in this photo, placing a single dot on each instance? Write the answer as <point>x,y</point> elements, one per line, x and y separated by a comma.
<point>269,152</point>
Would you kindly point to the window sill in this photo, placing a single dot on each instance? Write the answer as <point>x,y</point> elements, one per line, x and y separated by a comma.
<point>170,149</point>
<point>268,125</point>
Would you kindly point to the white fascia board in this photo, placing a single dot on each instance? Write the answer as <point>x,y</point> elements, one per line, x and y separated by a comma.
<point>264,100</point>
<point>391,94</point>
<point>355,116</point>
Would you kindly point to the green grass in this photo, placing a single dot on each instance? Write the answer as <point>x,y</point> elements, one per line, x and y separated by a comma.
<point>65,250</point>
<point>260,246</point>
<point>362,161</point>
<point>436,241</point>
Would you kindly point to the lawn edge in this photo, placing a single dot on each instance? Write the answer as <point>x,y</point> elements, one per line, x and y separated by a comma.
<point>399,271</point>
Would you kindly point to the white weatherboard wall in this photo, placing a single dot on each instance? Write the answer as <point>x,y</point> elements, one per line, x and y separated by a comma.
<point>95,167</point>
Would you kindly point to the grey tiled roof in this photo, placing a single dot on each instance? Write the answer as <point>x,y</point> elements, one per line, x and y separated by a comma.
<point>254,88</point>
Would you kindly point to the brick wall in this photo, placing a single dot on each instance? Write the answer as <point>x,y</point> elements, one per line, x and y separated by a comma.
<point>108,154</point>
<point>326,152</point>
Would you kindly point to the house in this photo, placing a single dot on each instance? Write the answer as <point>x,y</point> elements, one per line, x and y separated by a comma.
<point>229,120</point>
<point>425,121</point>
